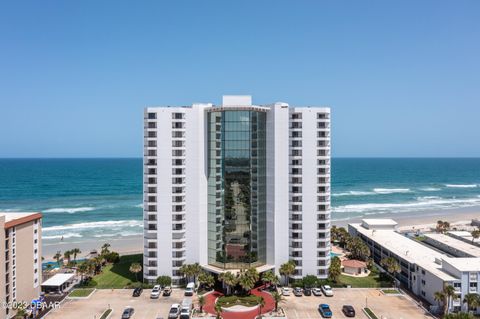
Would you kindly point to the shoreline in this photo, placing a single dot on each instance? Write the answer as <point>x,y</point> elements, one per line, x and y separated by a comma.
<point>134,244</point>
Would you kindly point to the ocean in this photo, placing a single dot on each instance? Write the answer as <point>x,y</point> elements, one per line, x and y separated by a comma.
<point>102,198</point>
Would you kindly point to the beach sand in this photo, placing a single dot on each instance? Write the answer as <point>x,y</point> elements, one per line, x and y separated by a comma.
<point>421,220</point>
<point>124,246</point>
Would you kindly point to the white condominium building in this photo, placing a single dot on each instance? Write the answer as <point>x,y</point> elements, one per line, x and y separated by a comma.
<point>424,269</point>
<point>236,185</point>
<point>20,260</point>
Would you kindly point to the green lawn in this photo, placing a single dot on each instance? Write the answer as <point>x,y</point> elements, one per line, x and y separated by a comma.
<point>106,313</point>
<point>230,301</point>
<point>81,292</point>
<point>391,291</point>
<point>370,313</point>
<point>118,275</point>
<point>374,280</point>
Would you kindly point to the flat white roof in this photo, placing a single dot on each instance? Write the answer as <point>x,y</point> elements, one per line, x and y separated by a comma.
<point>464,264</point>
<point>379,222</point>
<point>408,249</point>
<point>17,215</point>
<point>460,233</point>
<point>457,244</point>
<point>57,280</point>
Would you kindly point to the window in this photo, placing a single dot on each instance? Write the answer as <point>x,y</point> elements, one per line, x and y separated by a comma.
<point>297,134</point>
<point>178,116</point>
<point>296,116</point>
<point>152,116</point>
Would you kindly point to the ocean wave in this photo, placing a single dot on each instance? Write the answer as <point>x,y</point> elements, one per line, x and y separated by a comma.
<point>122,234</point>
<point>139,205</point>
<point>354,193</point>
<point>391,190</point>
<point>420,204</point>
<point>93,225</point>
<point>69,235</point>
<point>461,185</point>
<point>69,210</point>
<point>430,189</point>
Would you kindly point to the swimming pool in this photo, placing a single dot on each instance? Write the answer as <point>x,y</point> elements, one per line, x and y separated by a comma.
<point>332,254</point>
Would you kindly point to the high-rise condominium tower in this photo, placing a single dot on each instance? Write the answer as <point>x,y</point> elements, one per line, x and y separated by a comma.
<point>236,186</point>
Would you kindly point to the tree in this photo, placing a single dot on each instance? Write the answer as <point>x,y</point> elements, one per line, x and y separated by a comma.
<point>135,268</point>
<point>261,304</point>
<point>67,255</point>
<point>246,281</point>
<point>21,310</point>
<point>229,280</point>
<point>201,302</point>
<point>310,281</point>
<point>391,266</point>
<point>472,301</point>
<point>277,298</point>
<point>269,278</point>
<point>105,249</point>
<point>475,235</point>
<point>287,269</point>
<point>196,270</point>
<point>57,257</point>
<point>82,270</point>
<point>439,297</point>
<point>75,252</point>
<point>335,269</point>
<point>449,293</point>
<point>358,249</point>
<point>206,279</point>
<point>218,310</point>
<point>187,271</point>
<point>164,281</point>
<point>442,226</point>
<point>252,273</point>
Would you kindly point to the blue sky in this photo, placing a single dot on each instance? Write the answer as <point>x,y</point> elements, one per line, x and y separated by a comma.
<point>402,77</point>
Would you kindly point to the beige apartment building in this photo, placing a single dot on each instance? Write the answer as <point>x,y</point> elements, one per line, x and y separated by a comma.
<point>20,259</point>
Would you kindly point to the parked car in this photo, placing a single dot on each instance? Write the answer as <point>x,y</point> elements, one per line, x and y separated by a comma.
<point>127,313</point>
<point>156,290</point>
<point>317,291</point>
<point>327,291</point>
<point>174,311</point>
<point>286,291</point>
<point>272,288</point>
<point>185,313</point>
<point>348,311</point>
<point>167,291</point>
<point>307,291</point>
<point>137,292</point>
<point>325,311</point>
<point>190,289</point>
<point>297,291</point>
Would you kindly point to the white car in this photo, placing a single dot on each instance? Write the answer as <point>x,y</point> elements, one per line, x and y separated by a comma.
<point>156,290</point>
<point>327,291</point>
<point>174,311</point>
<point>286,291</point>
<point>317,292</point>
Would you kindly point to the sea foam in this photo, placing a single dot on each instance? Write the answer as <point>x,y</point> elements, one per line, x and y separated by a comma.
<point>391,190</point>
<point>69,210</point>
<point>461,185</point>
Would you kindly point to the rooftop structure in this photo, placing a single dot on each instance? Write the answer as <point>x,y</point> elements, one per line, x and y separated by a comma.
<point>451,245</point>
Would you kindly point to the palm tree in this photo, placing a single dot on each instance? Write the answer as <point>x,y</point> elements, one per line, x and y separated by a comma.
<point>196,270</point>
<point>218,310</point>
<point>97,263</point>
<point>206,279</point>
<point>287,269</point>
<point>75,252</point>
<point>439,297</point>
<point>472,301</point>
<point>358,249</point>
<point>228,279</point>
<point>67,255</point>
<point>135,268</point>
<point>246,281</point>
<point>277,298</point>
<point>261,304</point>
<point>269,277</point>
<point>449,293</point>
<point>475,235</point>
<point>201,302</point>
<point>57,257</point>
<point>105,248</point>
<point>82,270</point>
<point>391,266</point>
<point>187,271</point>
<point>459,315</point>
<point>252,273</point>
<point>335,269</point>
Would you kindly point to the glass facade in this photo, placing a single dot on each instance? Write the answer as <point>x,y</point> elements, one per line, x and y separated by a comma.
<point>236,188</point>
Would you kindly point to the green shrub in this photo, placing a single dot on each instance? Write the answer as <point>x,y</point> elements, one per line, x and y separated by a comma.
<point>106,313</point>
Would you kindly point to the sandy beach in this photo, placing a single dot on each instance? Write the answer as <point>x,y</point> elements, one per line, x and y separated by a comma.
<point>134,244</point>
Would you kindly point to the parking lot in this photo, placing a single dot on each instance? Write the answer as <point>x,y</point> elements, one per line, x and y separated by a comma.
<point>384,306</point>
<point>93,307</point>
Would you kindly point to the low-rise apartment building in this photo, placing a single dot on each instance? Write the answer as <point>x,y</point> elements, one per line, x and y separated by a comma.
<point>20,259</point>
<point>424,269</point>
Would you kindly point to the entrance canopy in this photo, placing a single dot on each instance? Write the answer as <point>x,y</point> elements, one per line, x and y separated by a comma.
<point>217,270</point>
<point>58,280</point>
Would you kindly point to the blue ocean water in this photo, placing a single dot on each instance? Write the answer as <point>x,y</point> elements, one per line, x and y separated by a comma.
<point>97,198</point>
